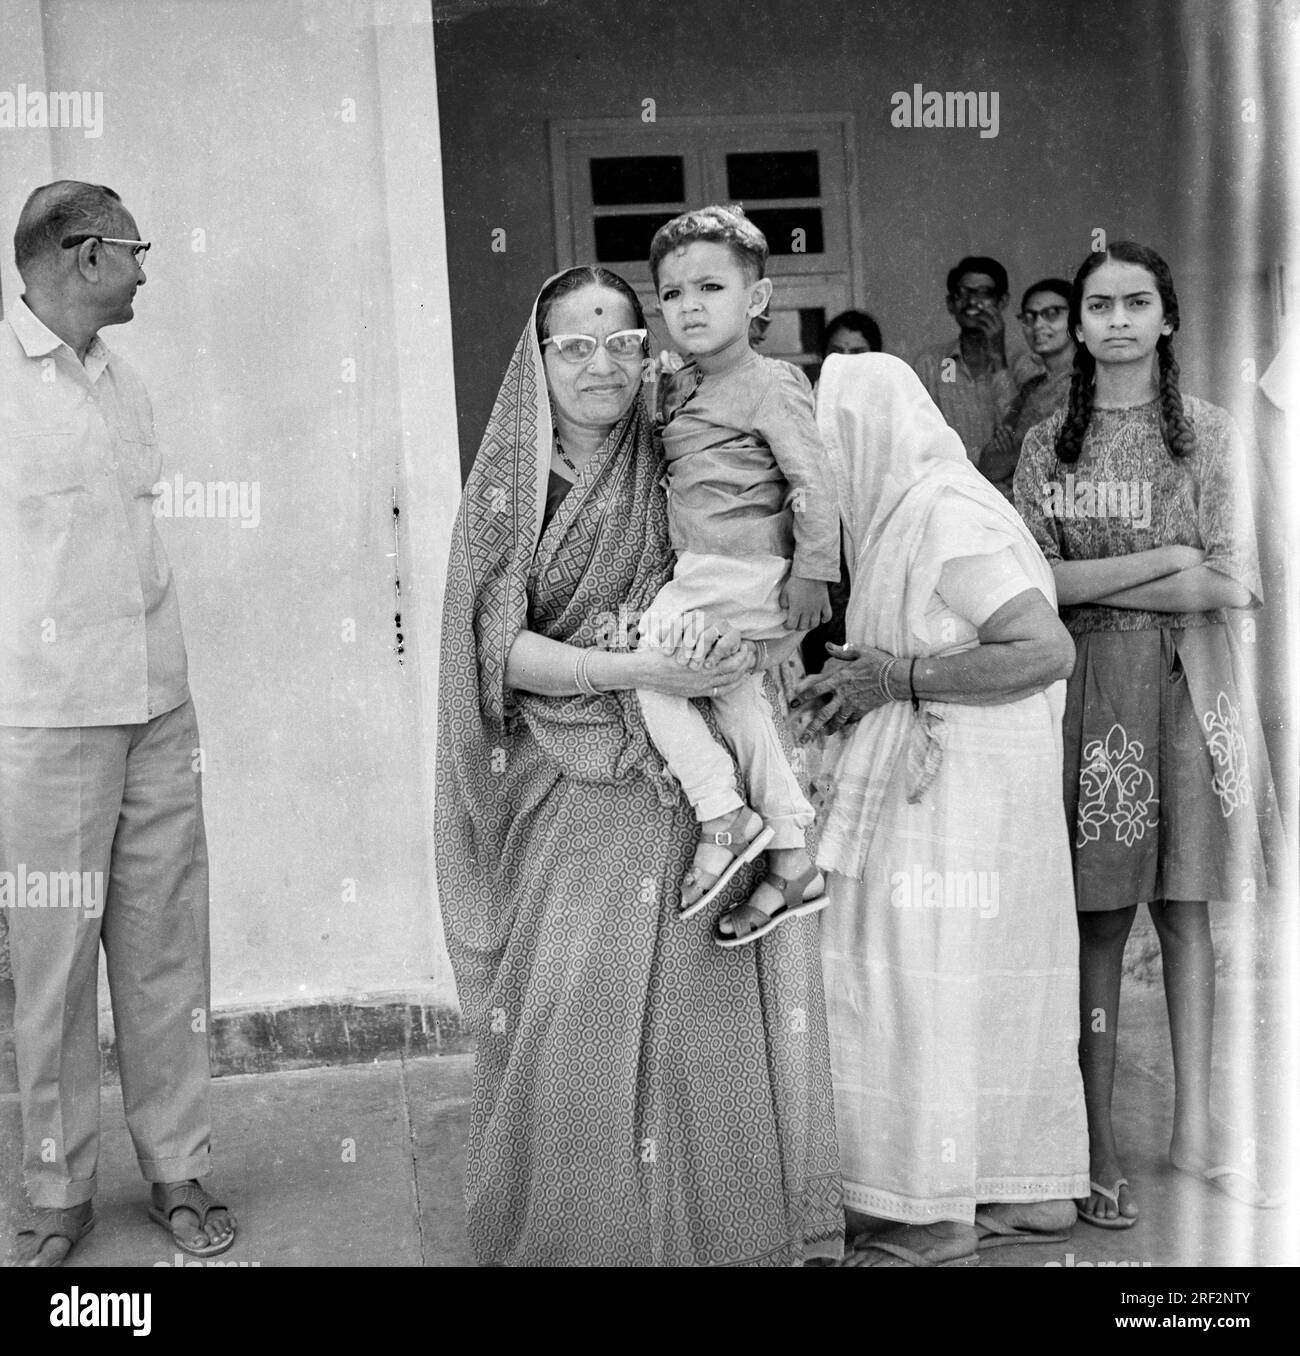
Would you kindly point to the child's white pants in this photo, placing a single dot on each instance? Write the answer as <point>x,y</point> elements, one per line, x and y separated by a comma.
<point>745,593</point>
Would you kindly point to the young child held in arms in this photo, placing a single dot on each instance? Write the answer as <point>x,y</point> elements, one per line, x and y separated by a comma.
<point>755,524</point>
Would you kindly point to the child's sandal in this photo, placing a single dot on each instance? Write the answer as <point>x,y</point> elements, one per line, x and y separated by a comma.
<point>718,856</point>
<point>804,895</point>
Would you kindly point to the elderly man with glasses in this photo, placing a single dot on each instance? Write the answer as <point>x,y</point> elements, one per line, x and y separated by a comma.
<point>100,799</point>
<point>967,377</point>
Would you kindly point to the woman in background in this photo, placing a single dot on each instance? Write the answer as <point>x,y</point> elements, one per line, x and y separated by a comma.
<point>1044,315</point>
<point>849,332</point>
<point>852,332</point>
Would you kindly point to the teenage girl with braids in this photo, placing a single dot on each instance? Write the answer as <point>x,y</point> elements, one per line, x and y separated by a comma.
<point>1137,496</point>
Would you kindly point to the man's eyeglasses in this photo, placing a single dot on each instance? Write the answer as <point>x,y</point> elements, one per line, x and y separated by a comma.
<point>974,294</point>
<point>1050,314</point>
<point>580,348</point>
<point>139,248</point>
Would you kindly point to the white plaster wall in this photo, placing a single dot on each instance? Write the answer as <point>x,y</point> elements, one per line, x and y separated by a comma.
<point>284,159</point>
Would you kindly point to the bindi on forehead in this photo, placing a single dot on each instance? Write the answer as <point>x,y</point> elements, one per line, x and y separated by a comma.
<point>589,311</point>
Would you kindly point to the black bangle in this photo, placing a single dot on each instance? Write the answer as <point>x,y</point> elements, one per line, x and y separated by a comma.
<point>911,686</point>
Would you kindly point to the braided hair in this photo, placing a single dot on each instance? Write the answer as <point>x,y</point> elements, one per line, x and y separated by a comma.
<point>1174,425</point>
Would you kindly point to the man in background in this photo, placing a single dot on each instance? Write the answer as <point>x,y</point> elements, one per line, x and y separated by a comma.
<point>967,377</point>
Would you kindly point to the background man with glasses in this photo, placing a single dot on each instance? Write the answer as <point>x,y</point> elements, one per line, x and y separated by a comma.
<point>99,749</point>
<point>967,377</point>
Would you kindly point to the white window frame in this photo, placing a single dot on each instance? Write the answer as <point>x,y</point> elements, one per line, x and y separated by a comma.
<point>832,280</point>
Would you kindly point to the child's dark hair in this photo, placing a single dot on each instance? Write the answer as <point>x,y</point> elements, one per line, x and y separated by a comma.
<point>1178,434</point>
<point>574,280</point>
<point>724,226</point>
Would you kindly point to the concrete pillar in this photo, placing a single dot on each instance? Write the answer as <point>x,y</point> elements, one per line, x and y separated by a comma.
<point>426,380</point>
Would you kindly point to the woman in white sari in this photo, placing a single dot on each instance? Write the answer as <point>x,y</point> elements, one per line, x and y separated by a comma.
<point>950,948</point>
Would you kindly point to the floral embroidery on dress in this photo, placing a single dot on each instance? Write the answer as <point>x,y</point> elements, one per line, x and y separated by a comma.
<point>1231,781</point>
<point>1113,767</point>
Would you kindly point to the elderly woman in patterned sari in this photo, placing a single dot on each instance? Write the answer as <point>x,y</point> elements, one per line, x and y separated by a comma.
<point>641,1097</point>
<point>949,946</point>
<point>1137,495</point>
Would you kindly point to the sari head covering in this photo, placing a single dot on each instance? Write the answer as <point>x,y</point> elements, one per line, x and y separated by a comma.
<point>601,560</point>
<point>911,501</point>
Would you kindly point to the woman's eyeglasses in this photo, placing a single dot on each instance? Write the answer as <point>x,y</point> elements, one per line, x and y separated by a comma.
<point>579,348</point>
<point>139,248</point>
<point>1050,314</point>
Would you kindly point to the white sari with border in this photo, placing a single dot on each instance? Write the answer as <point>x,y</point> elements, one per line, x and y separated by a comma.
<point>950,949</point>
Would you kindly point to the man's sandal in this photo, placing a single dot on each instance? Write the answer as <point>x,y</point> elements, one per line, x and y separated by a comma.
<point>47,1224</point>
<point>718,856</point>
<point>803,895</point>
<point>192,1197</point>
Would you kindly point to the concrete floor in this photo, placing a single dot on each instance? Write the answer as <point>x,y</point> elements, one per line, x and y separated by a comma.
<point>361,1166</point>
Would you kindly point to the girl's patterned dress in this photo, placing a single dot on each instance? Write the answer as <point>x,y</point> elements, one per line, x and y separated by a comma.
<point>1167,786</point>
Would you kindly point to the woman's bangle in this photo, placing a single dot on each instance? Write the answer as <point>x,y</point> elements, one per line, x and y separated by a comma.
<point>883,679</point>
<point>911,685</point>
<point>581,678</point>
<point>760,654</point>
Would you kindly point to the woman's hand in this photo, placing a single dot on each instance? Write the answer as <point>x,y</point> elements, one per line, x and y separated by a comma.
<point>667,673</point>
<point>1094,581</point>
<point>843,692</point>
<point>1183,557</point>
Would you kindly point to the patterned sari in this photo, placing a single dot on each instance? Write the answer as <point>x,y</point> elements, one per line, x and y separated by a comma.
<point>641,1097</point>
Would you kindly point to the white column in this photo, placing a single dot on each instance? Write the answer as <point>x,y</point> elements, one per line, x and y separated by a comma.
<point>26,153</point>
<point>421,298</point>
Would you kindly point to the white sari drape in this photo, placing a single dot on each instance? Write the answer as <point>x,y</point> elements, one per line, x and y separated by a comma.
<point>950,948</point>
<point>910,501</point>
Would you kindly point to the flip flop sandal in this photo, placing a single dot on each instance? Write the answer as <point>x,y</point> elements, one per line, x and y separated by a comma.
<point>994,1233</point>
<point>191,1196</point>
<point>915,1259</point>
<point>1212,1176</point>
<point>50,1224</point>
<point>795,903</point>
<point>1120,1221</point>
<point>721,855</point>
